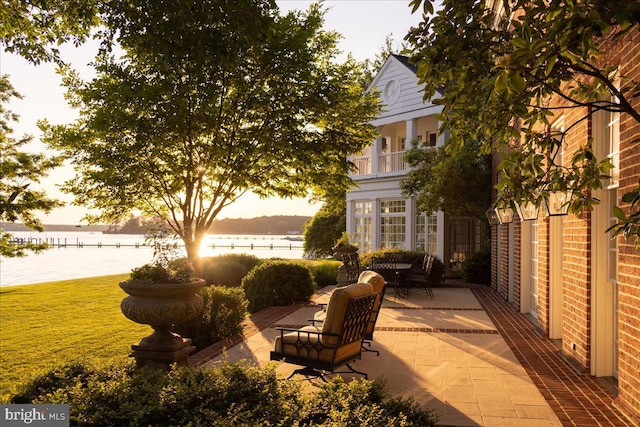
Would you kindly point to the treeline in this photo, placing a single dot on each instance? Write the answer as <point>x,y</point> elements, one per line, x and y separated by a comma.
<point>280,224</point>
<point>10,226</point>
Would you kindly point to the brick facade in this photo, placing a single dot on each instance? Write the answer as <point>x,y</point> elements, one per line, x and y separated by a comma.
<point>571,239</point>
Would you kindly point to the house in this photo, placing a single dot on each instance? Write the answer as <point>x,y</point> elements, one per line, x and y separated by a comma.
<point>379,216</point>
<point>574,282</point>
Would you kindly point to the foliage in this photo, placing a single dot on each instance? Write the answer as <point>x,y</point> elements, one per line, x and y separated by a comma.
<point>363,403</point>
<point>32,29</point>
<point>207,102</point>
<point>227,394</point>
<point>121,395</point>
<point>325,273</point>
<point>227,269</point>
<point>18,171</point>
<point>458,183</point>
<point>277,283</point>
<point>477,268</point>
<point>166,266</point>
<point>222,315</point>
<point>344,241</point>
<point>325,227</point>
<point>628,225</point>
<point>495,75</point>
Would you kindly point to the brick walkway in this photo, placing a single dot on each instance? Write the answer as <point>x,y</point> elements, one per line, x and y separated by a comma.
<point>576,399</point>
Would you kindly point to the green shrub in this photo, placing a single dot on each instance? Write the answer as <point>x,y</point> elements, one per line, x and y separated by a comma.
<point>277,283</point>
<point>224,395</point>
<point>325,273</point>
<point>227,395</point>
<point>227,269</point>
<point>477,268</point>
<point>221,317</point>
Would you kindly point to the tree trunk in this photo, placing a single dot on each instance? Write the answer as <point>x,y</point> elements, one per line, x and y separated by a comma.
<point>192,246</point>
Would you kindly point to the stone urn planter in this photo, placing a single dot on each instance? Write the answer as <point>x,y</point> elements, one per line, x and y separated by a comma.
<point>162,305</point>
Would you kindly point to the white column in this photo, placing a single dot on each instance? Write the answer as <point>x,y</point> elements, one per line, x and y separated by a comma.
<point>411,132</point>
<point>375,154</point>
<point>375,224</point>
<point>410,219</point>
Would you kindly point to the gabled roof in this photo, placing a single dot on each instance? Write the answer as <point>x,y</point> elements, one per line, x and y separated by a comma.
<point>405,61</point>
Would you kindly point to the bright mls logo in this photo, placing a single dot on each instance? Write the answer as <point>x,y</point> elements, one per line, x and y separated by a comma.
<point>34,415</point>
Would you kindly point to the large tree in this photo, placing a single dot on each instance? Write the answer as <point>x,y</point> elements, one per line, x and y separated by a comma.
<point>34,29</point>
<point>497,74</point>
<point>20,169</point>
<point>209,100</point>
<point>457,183</point>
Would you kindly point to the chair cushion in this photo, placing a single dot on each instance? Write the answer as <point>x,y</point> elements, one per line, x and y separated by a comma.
<point>302,345</point>
<point>338,302</point>
<point>373,278</point>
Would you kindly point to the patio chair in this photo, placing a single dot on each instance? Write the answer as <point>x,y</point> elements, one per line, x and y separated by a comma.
<point>422,277</point>
<point>379,288</point>
<point>321,351</point>
<point>386,267</point>
<point>351,264</point>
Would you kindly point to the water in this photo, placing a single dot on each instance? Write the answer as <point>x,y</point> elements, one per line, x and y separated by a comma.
<point>81,257</point>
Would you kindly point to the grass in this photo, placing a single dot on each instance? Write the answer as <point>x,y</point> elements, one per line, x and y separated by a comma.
<point>49,324</point>
<point>46,325</point>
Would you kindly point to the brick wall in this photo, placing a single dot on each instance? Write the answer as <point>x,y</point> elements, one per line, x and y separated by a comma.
<point>629,256</point>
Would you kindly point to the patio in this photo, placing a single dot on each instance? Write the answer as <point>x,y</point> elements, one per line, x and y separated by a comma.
<point>448,354</point>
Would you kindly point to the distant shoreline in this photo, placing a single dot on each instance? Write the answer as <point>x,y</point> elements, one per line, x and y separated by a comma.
<point>292,225</point>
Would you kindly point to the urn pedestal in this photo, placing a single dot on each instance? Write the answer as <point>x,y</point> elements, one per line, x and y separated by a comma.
<point>338,253</point>
<point>161,306</point>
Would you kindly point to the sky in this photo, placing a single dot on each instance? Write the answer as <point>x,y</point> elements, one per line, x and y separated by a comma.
<point>363,24</point>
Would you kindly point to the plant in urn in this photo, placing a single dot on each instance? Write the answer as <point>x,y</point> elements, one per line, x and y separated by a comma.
<point>161,294</point>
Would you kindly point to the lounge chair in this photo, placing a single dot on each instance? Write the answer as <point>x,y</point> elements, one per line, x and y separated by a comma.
<point>379,288</point>
<point>321,351</point>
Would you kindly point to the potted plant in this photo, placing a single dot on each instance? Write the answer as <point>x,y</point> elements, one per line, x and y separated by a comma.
<point>343,246</point>
<point>161,294</point>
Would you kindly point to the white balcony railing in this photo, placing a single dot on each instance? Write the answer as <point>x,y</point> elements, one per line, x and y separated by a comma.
<point>392,162</point>
<point>363,165</point>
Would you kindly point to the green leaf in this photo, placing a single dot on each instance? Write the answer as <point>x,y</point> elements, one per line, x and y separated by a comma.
<point>619,214</point>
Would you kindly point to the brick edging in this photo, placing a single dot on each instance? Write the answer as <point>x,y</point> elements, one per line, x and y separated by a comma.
<point>253,324</point>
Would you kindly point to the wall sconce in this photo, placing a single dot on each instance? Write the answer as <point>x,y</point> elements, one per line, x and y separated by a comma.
<point>505,215</point>
<point>558,202</point>
<point>492,216</point>
<point>527,211</point>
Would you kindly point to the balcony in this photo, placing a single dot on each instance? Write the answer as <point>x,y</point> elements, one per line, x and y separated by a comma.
<point>391,162</point>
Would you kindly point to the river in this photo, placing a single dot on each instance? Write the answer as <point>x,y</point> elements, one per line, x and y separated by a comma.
<point>74,255</point>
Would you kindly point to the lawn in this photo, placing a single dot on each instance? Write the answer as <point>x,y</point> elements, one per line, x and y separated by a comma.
<point>49,324</point>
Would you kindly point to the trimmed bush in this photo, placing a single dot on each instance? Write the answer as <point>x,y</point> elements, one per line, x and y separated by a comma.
<point>277,283</point>
<point>222,315</point>
<point>224,395</point>
<point>325,273</point>
<point>227,269</point>
<point>477,268</point>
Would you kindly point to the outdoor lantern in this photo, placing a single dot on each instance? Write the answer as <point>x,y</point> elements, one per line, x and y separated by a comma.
<point>505,215</point>
<point>492,216</point>
<point>527,211</point>
<point>558,202</point>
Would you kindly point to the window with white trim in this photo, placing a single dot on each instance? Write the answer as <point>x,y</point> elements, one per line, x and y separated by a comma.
<point>392,223</point>
<point>362,225</point>
<point>427,233</point>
